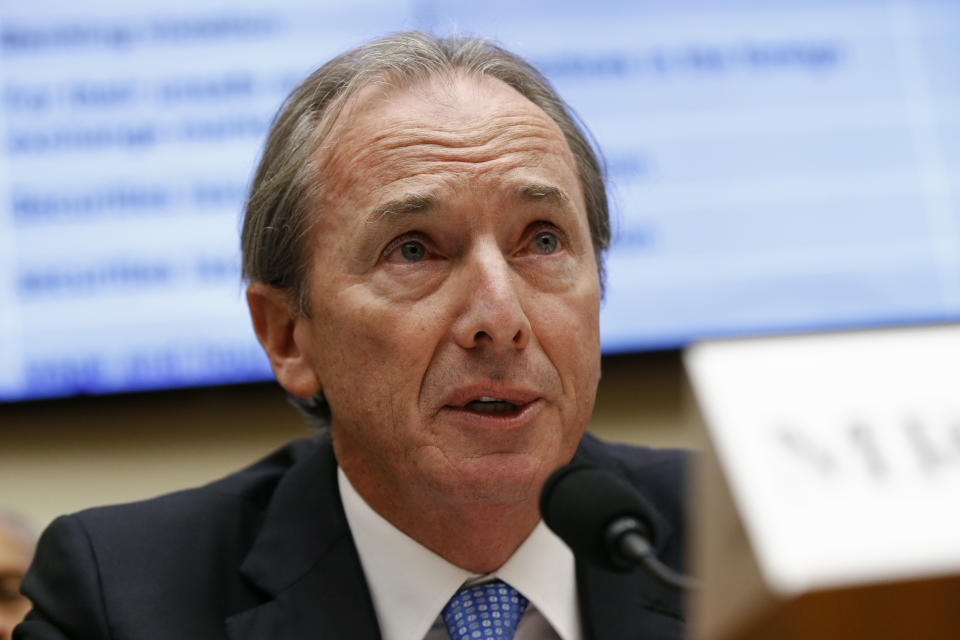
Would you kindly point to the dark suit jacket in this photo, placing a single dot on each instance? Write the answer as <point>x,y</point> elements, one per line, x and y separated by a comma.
<point>266,554</point>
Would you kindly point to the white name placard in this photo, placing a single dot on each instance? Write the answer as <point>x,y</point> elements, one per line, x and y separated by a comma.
<point>842,451</point>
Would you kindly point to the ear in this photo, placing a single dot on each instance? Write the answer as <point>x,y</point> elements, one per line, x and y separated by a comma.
<point>275,320</point>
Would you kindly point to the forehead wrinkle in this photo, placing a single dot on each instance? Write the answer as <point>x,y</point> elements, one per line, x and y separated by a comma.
<point>429,156</point>
<point>415,140</point>
<point>477,133</point>
<point>390,147</point>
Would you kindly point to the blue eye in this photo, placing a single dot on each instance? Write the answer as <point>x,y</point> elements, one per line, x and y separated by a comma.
<point>413,251</point>
<point>546,242</point>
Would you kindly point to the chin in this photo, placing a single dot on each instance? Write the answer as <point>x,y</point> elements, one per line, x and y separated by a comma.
<point>495,479</point>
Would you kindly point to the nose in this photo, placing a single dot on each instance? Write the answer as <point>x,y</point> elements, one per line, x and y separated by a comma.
<point>492,313</point>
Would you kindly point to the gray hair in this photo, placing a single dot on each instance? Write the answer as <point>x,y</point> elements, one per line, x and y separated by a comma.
<point>280,208</point>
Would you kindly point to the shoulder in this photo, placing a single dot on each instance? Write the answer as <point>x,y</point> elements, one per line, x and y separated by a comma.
<point>242,496</point>
<point>108,569</point>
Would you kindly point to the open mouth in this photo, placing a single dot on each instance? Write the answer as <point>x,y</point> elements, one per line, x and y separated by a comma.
<point>486,404</point>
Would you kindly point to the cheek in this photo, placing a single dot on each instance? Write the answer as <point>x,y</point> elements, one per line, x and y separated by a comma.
<point>574,313</point>
<point>378,347</point>
<point>568,328</point>
<point>347,343</point>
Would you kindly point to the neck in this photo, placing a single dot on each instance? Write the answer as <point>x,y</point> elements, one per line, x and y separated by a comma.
<point>460,533</point>
<point>467,539</point>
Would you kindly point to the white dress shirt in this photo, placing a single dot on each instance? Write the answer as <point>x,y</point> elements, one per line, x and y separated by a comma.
<point>410,584</point>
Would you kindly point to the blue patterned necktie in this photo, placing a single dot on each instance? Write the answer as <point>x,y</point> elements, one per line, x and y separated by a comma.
<point>488,610</point>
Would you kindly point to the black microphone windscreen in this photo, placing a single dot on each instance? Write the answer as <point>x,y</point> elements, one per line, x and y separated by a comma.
<point>579,501</point>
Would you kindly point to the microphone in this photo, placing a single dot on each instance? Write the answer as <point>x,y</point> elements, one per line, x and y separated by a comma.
<point>604,521</point>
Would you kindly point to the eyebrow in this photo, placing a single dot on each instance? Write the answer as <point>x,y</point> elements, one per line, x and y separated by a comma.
<point>537,192</point>
<point>419,203</point>
<point>401,207</point>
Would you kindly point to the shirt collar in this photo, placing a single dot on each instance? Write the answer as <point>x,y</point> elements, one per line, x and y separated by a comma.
<point>543,570</point>
<point>410,584</point>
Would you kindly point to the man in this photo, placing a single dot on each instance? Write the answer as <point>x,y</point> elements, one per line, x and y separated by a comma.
<point>423,241</point>
<point>16,550</point>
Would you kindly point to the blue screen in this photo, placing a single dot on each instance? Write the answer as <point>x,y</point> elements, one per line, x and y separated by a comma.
<point>772,167</point>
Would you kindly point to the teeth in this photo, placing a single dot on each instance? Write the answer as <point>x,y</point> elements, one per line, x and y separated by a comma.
<point>486,404</point>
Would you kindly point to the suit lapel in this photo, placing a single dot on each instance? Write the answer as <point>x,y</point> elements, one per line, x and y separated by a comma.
<point>305,563</point>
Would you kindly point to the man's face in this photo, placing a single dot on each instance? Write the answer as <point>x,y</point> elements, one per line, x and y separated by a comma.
<point>454,294</point>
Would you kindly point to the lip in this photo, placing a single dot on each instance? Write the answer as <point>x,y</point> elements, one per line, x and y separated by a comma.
<point>515,395</point>
<point>502,422</point>
<point>528,401</point>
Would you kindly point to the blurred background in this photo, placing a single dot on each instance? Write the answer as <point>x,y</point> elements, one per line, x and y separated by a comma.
<point>773,167</point>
